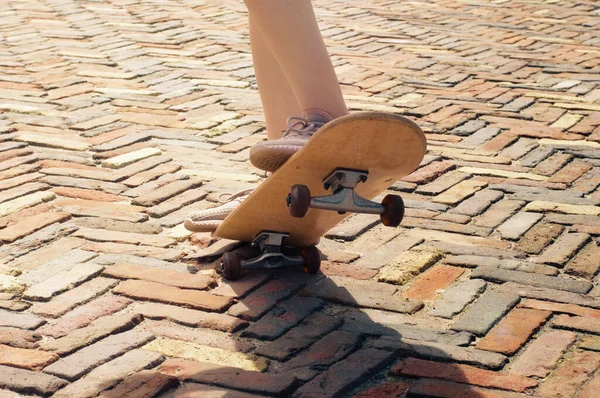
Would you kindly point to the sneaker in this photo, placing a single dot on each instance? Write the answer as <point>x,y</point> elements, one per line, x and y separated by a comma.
<point>270,155</point>
<point>208,220</point>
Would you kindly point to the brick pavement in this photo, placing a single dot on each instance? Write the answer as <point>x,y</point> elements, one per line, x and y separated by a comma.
<point>120,117</point>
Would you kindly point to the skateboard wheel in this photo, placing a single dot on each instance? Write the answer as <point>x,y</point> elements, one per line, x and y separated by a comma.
<point>394,210</point>
<point>299,201</point>
<point>232,266</point>
<point>312,259</point>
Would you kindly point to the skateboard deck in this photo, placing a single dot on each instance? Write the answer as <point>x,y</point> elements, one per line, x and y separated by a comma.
<point>387,146</point>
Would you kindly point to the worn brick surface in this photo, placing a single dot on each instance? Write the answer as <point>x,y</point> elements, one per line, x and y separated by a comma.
<point>118,119</point>
<point>461,374</point>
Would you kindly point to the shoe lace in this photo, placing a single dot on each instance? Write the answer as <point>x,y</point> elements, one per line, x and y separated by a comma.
<point>301,126</point>
<point>232,197</point>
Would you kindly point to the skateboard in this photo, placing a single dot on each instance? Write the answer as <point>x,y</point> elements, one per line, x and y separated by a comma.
<point>341,168</point>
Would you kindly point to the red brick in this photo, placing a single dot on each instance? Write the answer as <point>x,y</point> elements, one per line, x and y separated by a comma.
<point>461,374</point>
<point>429,173</point>
<point>513,330</point>
<point>172,295</point>
<point>207,373</point>
<point>19,338</point>
<point>541,356</point>
<point>591,388</point>
<point>147,383</point>
<point>348,270</point>
<point>570,375</point>
<point>25,358</point>
<point>571,172</point>
<point>444,389</point>
<point>30,225</point>
<point>590,325</point>
<point>84,315</point>
<point>87,194</point>
<point>385,390</point>
<point>159,275</point>
<point>427,285</point>
<point>559,307</point>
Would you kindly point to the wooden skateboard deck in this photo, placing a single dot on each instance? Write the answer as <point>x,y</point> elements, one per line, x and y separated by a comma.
<point>387,146</point>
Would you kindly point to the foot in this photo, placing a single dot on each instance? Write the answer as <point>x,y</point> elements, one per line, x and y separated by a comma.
<point>270,155</point>
<point>208,220</point>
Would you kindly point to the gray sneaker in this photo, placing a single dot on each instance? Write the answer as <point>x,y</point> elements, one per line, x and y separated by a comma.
<point>208,220</point>
<point>270,155</point>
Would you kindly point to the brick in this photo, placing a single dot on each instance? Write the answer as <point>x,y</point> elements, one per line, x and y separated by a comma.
<point>368,294</point>
<point>427,285</point>
<point>303,335</point>
<point>24,202</point>
<point>146,383</point>
<point>546,206</point>
<point>110,374</point>
<point>442,184</point>
<point>266,297</point>
<point>20,320</point>
<point>189,317</point>
<point>513,330</point>
<point>413,367</point>
<point>571,172</point>
<point>498,213</point>
<point>563,248</point>
<point>164,276</point>
<point>19,338</point>
<point>459,192</point>
<point>100,235</point>
<point>579,323</point>
<point>456,298</point>
<point>73,366</point>
<point>429,173</point>
<point>262,383</point>
<point>445,389</point>
<point>541,356</point>
<point>84,315</point>
<point>387,252</point>
<point>539,237</point>
<point>591,388</point>
<point>323,353</point>
<point>61,281</point>
<point>330,268</point>
<point>560,307</point>
<point>585,264</point>
<point>502,275</point>
<point>202,353</point>
<point>346,374</point>
<point>282,318</point>
<point>590,343</point>
<point>95,331</point>
<point>517,225</point>
<point>118,162</point>
<point>35,223</point>
<point>241,287</point>
<point>29,382</point>
<point>153,291</point>
<point>478,202</point>
<point>384,390</point>
<point>189,390</point>
<point>570,375</point>
<point>62,303</point>
<point>30,359</point>
<point>442,352</point>
<point>486,311</point>
<point>409,264</point>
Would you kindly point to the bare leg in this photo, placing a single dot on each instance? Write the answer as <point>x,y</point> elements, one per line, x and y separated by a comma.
<point>276,95</point>
<point>290,29</point>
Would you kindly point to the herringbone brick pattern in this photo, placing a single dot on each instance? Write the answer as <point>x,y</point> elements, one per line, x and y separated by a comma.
<point>120,117</point>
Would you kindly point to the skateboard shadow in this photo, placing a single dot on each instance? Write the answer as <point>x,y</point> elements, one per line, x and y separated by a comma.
<point>327,349</point>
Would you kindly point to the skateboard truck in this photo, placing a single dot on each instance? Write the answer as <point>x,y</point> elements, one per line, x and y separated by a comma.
<point>342,184</point>
<point>268,253</point>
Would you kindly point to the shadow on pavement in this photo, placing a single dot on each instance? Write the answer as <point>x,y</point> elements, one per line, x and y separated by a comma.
<point>322,347</point>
